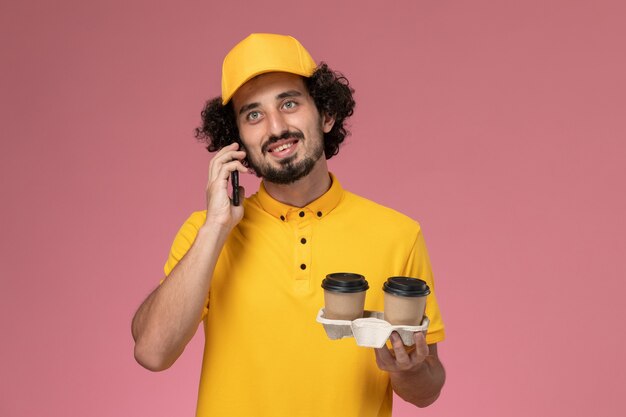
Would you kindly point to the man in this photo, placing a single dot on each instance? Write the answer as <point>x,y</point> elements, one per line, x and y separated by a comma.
<point>252,273</point>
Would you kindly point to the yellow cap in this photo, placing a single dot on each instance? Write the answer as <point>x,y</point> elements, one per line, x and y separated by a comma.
<point>260,53</point>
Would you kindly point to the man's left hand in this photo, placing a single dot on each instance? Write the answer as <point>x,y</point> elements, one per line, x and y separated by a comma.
<point>400,359</point>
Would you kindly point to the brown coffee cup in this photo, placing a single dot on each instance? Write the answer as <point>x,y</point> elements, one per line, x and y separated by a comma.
<point>344,296</point>
<point>405,300</point>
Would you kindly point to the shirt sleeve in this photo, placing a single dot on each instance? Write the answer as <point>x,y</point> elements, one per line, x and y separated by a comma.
<point>418,265</point>
<point>182,242</point>
<point>184,239</point>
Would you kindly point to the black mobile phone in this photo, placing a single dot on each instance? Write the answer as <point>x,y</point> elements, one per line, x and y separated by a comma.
<point>234,179</point>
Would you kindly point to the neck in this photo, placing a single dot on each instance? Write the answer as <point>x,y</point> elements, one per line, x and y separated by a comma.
<point>303,191</point>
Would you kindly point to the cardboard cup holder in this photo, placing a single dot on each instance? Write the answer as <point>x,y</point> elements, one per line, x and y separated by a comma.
<point>369,331</point>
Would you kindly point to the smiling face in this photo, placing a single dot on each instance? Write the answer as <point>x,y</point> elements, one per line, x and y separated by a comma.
<point>280,127</point>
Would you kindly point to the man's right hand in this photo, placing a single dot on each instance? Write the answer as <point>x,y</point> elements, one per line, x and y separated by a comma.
<point>220,210</point>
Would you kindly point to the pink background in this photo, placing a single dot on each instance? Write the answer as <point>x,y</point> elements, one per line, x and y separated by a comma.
<point>500,125</point>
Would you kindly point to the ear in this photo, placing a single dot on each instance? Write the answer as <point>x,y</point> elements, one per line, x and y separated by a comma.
<point>328,121</point>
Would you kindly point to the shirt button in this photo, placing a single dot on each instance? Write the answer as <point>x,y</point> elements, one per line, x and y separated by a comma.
<point>303,241</point>
<point>319,214</point>
<point>303,266</point>
<point>301,214</point>
<point>282,218</point>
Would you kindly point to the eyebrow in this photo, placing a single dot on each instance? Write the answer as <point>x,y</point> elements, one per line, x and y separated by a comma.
<point>247,107</point>
<point>290,93</point>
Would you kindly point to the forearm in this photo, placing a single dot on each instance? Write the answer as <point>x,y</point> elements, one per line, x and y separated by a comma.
<point>168,319</point>
<point>422,386</point>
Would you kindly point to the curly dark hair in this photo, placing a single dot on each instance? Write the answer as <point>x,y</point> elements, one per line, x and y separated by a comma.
<point>330,91</point>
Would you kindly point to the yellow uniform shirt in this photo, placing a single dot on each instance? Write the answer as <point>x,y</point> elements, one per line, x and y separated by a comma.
<point>265,355</point>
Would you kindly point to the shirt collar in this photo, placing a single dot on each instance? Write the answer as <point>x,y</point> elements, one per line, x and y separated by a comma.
<point>318,208</point>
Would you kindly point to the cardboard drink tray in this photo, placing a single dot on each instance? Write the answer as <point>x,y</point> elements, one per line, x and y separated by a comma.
<point>371,330</point>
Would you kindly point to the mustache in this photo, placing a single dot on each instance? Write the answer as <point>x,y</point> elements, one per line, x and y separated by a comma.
<point>285,135</point>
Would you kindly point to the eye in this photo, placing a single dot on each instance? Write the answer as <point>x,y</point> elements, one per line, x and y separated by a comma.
<point>289,105</point>
<point>253,116</point>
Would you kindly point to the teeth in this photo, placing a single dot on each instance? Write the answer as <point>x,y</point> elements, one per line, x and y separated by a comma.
<point>282,147</point>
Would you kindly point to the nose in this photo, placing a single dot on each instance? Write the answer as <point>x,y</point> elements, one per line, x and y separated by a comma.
<point>277,124</point>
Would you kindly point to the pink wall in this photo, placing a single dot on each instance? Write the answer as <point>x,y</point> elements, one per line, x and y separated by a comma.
<point>499,125</point>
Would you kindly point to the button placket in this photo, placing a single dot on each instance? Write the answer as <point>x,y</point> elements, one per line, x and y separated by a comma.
<point>303,245</point>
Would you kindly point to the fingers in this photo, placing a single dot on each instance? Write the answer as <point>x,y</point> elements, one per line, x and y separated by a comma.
<point>226,155</point>
<point>421,348</point>
<point>230,161</point>
<point>384,358</point>
<point>227,160</point>
<point>402,357</point>
<point>228,167</point>
<point>222,177</point>
<point>399,359</point>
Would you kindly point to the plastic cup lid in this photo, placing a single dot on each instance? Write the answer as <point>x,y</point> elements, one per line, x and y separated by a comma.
<point>406,287</point>
<point>345,282</point>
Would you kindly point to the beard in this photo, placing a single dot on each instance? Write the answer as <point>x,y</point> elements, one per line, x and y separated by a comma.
<point>289,171</point>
